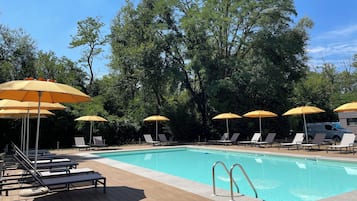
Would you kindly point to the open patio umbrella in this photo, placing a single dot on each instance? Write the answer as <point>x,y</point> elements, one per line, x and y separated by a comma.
<point>40,91</point>
<point>348,107</point>
<point>28,105</point>
<point>227,116</point>
<point>91,119</point>
<point>23,114</point>
<point>156,118</point>
<point>260,114</point>
<point>303,110</point>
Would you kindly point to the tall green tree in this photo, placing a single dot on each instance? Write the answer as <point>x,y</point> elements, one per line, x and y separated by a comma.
<point>228,55</point>
<point>90,36</point>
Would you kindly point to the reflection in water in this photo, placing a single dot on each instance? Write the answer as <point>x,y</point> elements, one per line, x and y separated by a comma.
<point>147,157</point>
<point>265,184</point>
<point>307,194</point>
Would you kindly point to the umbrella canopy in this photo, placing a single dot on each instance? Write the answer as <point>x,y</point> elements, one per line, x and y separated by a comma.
<point>22,112</point>
<point>348,107</point>
<point>156,118</point>
<point>260,114</point>
<point>91,119</point>
<point>14,104</point>
<point>227,116</point>
<point>40,91</point>
<point>303,110</point>
<point>48,91</point>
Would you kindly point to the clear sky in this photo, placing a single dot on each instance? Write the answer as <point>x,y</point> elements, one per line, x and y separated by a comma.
<point>51,23</point>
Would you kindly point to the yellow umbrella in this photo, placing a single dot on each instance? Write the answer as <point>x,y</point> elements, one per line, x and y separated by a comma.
<point>260,114</point>
<point>91,119</point>
<point>303,110</point>
<point>23,114</point>
<point>14,104</point>
<point>40,91</point>
<point>27,105</point>
<point>156,118</point>
<point>348,107</point>
<point>227,116</point>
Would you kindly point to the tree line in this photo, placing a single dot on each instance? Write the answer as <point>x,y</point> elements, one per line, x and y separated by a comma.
<point>187,60</point>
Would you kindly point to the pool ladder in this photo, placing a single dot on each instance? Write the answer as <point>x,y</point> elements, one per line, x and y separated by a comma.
<point>231,180</point>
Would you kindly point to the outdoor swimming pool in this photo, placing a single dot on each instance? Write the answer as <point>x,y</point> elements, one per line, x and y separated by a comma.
<point>276,178</point>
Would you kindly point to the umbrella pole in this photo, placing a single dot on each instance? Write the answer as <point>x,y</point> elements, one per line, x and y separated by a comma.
<point>307,137</point>
<point>157,130</point>
<point>260,127</point>
<point>27,132</point>
<point>38,127</point>
<point>22,134</point>
<point>227,127</point>
<point>90,133</point>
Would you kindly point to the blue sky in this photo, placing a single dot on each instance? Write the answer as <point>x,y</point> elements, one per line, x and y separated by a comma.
<point>51,23</point>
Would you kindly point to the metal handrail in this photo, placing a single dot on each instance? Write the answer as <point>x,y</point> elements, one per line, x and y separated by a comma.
<point>214,178</point>
<point>246,176</point>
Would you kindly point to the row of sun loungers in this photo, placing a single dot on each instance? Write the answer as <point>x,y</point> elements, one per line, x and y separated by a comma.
<point>162,140</point>
<point>347,141</point>
<point>98,141</point>
<point>49,175</point>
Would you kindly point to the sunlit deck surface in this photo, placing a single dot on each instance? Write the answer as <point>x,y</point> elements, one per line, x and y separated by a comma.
<point>126,186</point>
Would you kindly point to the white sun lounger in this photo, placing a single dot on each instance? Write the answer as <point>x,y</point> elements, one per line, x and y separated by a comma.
<point>149,140</point>
<point>347,142</point>
<point>79,143</point>
<point>297,141</point>
<point>255,138</point>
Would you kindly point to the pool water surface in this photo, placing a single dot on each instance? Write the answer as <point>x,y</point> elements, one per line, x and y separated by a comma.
<point>276,178</point>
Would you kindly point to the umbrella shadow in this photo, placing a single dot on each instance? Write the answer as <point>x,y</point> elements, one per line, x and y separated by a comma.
<point>89,194</point>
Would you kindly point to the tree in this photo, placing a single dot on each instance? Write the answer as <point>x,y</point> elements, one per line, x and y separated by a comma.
<point>63,70</point>
<point>17,54</point>
<point>89,35</point>
<point>216,50</point>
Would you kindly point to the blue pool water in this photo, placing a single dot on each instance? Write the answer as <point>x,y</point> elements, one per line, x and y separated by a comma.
<point>276,178</point>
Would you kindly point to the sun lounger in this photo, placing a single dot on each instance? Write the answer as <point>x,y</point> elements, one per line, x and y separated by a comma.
<point>317,141</point>
<point>255,138</point>
<point>224,137</point>
<point>98,141</point>
<point>269,140</point>
<point>231,141</point>
<point>165,141</point>
<point>52,183</point>
<point>149,140</point>
<point>347,142</point>
<point>48,164</point>
<point>79,143</point>
<point>297,141</point>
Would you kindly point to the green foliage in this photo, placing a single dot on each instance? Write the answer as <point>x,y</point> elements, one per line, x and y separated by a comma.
<point>17,54</point>
<point>89,35</point>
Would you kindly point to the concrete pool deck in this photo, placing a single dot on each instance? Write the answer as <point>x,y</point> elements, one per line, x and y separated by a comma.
<point>124,182</point>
